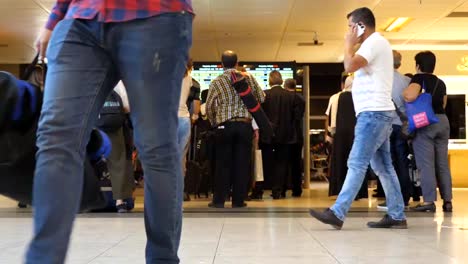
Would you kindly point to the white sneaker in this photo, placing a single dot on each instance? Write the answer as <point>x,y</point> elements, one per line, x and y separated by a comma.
<point>382,207</point>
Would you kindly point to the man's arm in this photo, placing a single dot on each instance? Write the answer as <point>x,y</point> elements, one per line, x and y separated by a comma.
<point>352,61</point>
<point>58,13</point>
<point>210,104</point>
<point>299,107</point>
<point>196,110</point>
<point>196,100</point>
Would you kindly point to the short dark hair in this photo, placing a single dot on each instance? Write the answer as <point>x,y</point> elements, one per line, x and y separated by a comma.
<point>229,59</point>
<point>290,83</point>
<point>409,75</point>
<point>275,78</point>
<point>189,66</point>
<point>426,60</point>
<point>363,15</point>
<point>396,59</point>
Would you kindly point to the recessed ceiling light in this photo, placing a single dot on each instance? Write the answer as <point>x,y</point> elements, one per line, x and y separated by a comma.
<point>397,24</point>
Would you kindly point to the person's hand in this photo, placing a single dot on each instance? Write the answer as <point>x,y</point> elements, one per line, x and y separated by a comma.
<point>351,37</point>
<point>194,118</point>
<point>256,135</point>
<point>42,42</point>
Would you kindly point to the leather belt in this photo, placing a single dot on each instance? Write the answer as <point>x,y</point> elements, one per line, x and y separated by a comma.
<point>240,119</point>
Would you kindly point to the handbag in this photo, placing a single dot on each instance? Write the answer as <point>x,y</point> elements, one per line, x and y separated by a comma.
<point>420,113</point>
<point>258,166</point>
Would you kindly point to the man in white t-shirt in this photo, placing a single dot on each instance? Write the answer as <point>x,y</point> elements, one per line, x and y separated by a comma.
<point>372,64</point>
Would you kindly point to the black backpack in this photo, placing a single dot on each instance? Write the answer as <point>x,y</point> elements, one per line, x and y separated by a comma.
<point>112,115</point>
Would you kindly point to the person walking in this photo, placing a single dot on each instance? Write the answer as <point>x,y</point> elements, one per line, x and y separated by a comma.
<point>372,96</point>
<point>91,45</point>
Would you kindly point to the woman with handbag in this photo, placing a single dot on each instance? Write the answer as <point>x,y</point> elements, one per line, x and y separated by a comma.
<point>432,134</point>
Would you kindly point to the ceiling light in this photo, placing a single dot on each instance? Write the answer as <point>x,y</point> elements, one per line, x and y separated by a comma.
<point>397,24</point>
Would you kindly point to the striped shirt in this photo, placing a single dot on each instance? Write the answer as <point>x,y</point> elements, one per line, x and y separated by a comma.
<point>223,102</point>
<point>114,10</point>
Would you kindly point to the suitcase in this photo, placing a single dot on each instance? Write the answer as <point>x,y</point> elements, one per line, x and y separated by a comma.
<point>198,178</point>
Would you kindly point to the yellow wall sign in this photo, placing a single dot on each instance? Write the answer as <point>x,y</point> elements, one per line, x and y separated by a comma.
<point>463,66</point>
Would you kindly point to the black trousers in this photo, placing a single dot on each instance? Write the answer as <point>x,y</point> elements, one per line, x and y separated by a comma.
<point>233,162</point>
<point>295,163</point>
<point>275,167</point>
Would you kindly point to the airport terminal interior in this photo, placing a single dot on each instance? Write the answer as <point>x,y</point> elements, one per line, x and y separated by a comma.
<point>303,40</point>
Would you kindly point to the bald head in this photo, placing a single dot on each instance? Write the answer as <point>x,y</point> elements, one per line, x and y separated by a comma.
<point>229,59</point>
<point>396,59</point>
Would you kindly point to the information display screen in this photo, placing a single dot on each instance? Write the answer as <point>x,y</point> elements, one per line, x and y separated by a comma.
<point>205,73</point>
<point>262,71</point>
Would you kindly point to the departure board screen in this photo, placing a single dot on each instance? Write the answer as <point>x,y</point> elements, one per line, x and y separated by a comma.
<point>205,73</point>
<point>262,71</point>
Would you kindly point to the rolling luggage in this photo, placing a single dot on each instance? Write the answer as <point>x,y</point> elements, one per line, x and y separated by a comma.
<point>198,178</point>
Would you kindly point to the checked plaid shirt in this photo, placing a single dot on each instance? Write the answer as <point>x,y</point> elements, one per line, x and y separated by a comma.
<point>114,10</point>
<point>223,102</point>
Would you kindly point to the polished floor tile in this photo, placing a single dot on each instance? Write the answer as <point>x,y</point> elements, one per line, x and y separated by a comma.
<point>276,260</point>
<point>261,234</point>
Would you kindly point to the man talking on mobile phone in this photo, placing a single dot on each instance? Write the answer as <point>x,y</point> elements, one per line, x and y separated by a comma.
<point>91,45</point>
<point>372,64</point>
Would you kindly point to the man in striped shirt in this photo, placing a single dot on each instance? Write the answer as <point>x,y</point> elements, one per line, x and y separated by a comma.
<point>93,45</point>
<point>227,112</point>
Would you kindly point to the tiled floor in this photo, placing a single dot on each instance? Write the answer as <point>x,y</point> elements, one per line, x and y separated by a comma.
<point>257,235</point>
<point>223,240</point>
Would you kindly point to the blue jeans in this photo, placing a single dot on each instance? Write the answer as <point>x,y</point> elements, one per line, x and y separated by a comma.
<point>86,60</point>
<point>371,145</point>
<point>183,137</point>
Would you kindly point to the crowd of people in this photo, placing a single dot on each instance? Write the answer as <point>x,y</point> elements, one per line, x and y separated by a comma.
<point>236,135</point>
<point>148,50</point>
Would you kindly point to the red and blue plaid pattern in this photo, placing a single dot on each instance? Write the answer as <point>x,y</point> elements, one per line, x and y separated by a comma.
<point>114,10</point>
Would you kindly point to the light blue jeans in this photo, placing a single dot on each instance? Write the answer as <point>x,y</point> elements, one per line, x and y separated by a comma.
<point>371,145</point>
<point>86,60</point>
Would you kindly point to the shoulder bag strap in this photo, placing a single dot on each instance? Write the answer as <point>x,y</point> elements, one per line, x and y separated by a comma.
<point>436,86</point>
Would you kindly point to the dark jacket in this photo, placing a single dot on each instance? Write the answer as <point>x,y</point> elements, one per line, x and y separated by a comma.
<point>299,109</point>
<point>280,107</point>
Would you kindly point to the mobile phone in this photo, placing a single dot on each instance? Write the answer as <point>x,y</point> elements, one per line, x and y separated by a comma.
<point>360,29</point>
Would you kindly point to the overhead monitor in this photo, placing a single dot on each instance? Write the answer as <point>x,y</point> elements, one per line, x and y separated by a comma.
<point>262,70</point>
<point>205,73</point>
